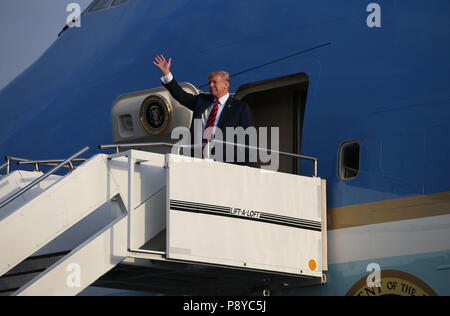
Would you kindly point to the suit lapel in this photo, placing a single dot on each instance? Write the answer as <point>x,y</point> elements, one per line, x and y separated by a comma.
<point>202,107</point>
<point>225,115</point>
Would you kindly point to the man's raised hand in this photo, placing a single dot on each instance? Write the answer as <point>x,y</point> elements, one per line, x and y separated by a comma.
<point>163,64</point>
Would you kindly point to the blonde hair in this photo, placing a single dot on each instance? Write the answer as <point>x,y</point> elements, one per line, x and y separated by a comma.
<point>225,75</point>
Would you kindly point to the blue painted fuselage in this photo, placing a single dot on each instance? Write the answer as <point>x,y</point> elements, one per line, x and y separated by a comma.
<point>386,87</point>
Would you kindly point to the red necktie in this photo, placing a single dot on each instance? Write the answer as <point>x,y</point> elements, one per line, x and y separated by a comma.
<point>207,133</point>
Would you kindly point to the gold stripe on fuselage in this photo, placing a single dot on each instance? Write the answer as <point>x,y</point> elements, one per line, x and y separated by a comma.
<point>389,211</point>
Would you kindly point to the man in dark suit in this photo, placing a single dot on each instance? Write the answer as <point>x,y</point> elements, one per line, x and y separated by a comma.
<point>216,111</point>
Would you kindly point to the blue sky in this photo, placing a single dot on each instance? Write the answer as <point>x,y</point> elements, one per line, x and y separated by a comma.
<point>27,29</point>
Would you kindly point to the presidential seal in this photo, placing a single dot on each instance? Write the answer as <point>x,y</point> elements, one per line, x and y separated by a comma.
<point>393,283</point>
<point>156,114</point>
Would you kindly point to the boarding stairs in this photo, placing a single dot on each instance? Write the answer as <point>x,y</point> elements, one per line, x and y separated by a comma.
<point>126,220</point>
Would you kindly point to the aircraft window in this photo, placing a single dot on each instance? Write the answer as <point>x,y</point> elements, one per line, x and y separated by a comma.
<point>99,5</point>
<point>117,2</point>
<point>348,160</point>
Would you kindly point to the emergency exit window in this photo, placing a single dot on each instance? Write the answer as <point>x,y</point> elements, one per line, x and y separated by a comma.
<point>348,160</point>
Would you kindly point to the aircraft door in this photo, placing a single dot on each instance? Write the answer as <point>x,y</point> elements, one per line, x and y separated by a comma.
<point>279,103</point>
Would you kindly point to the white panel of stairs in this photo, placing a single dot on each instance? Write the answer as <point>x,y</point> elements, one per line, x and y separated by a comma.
<point>148,177</point>
<point>244,217</point>
<point>147,183</point>
<point>83,230</point>
<point>17,180</point>
<point>84,265</point>
<point>54,211</point>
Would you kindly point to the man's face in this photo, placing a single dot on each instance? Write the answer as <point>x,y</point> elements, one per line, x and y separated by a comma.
<point>218,87</point>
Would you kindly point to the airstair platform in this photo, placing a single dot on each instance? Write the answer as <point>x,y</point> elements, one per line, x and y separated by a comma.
<point>162,223</point>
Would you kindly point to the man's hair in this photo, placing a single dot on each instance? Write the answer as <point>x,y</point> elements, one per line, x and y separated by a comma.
<point>225,75</point>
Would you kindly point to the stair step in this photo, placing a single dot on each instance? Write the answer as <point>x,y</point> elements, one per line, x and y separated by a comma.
<point>26,271</point>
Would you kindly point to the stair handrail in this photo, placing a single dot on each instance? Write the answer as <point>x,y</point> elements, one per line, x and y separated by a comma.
<point>5,166</point>
<point>51,163</point>
<point>42,178</point>
<point>117,147</point>
<point>8,160</point>
<point>283,153</point>
<point>37,163</point>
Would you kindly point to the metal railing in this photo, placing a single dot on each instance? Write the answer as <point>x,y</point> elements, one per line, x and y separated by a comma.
<point>5,166</point>
<point>117,147</point>
<point>42,178</point>
<point>282,153</point>
<point>51,163</point>
<point>37,163</point>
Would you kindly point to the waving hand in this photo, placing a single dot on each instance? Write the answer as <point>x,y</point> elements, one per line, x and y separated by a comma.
<point>163,64</point>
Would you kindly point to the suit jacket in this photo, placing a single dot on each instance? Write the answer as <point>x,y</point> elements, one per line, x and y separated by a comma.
<point>235,113</point>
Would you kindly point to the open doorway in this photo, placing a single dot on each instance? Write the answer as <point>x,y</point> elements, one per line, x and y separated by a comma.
<point>280,102</point>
